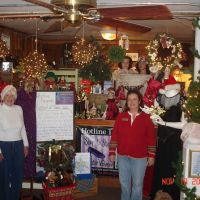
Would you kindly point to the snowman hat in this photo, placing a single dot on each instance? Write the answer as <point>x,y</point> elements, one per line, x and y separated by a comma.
<point>8,89</point>
<point>171,88</point>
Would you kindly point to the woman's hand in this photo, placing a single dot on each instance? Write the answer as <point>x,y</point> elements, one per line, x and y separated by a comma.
<point>1,157</point>
<point>150,161</point>
<point>26,150</point>
<point>112,158</point>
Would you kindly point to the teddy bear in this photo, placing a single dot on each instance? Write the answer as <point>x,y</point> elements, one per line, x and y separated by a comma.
<point>160,195</point>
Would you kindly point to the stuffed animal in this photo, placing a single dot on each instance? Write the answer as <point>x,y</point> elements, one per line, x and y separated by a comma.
<point>50,81</point>
<point>111,105</point>
<point>160,195</point>
<point>51,179</point>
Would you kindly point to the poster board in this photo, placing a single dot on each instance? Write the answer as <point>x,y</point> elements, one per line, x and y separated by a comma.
<point>96,140</point>
<point>55,115</point>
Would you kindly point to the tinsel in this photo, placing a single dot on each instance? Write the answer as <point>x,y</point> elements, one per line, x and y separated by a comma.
<point>3,49</point>
<point>83,52</point>
<point>34,65</point>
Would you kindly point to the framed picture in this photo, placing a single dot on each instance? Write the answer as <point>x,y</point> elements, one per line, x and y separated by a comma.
<point>97,89</point>
<point>194,163</point>
<point>134,56</point>
<point>83,166</point>
<point>6,38</point>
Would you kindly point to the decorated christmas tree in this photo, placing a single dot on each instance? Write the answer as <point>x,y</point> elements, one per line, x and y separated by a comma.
<point>98,69</point>
<point>192,105</point>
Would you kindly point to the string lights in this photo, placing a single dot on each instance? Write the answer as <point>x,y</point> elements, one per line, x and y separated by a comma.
<point>83,51</point>
<point>172,49</point>
<point>3,49</point>
<point>34,65</point>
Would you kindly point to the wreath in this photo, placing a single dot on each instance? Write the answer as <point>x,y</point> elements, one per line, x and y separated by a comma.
<point>164,51</point>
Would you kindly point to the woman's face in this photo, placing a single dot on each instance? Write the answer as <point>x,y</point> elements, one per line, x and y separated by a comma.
<point>125,63</point>
<point>9,99</point>
<point>133,102</point>
<point>142,67</point>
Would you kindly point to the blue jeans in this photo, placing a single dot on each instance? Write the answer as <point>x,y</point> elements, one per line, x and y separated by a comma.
<point>11,170</point>
<point>131,176</point>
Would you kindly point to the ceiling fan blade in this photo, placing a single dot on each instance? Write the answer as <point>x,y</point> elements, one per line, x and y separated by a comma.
<point>50,6</point>
<point>57,27</point>
<point>122,26</point>
<point>137,12</point>
<point>25,15</point>
<point>41,3</point>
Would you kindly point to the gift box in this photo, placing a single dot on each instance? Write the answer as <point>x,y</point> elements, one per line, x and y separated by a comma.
<point>58,193</point>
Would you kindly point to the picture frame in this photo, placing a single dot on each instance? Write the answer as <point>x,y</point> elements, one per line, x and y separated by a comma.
<point>134,56</point>
<point>96,89</point>
<point>83,165</point>
<point>194,163</point>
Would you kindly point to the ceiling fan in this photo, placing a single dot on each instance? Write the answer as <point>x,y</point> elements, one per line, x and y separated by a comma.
<point>74,11</point>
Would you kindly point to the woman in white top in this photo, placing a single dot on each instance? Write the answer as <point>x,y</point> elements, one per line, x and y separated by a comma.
<point>13,145</point>
<point>125,67</point>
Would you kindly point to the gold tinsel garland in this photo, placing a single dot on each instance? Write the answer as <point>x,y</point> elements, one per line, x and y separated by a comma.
<point>3,49</point>
<point>34,65</point>
<point>83,52</point>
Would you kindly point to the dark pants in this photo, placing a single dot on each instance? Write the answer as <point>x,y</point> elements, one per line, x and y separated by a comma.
<point>11,170</point>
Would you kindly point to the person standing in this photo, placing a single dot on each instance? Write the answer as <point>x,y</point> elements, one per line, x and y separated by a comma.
<point>13,145</point>
<point>134,137</point>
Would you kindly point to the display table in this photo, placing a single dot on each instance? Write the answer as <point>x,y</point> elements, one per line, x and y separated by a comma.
<point>94,122</point>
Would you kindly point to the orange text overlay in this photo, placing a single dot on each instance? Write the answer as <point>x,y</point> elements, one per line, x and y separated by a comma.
<point>183,181</point>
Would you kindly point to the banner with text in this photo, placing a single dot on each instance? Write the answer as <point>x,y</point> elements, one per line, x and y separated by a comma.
<point>96,141</point>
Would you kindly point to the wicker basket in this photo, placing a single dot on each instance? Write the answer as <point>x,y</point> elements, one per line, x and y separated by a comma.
<point>58,193</point>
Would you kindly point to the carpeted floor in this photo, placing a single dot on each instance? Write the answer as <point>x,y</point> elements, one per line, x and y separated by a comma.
<point>104,193</point>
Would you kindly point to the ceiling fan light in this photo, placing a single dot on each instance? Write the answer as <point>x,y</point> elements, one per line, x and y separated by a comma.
<point>108,34</point>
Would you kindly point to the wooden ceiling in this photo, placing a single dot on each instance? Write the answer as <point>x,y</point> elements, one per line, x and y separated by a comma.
<point>174,17</point>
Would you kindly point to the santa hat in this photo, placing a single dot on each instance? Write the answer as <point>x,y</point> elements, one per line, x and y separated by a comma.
<point>171,87</point>
<point>6,88</point>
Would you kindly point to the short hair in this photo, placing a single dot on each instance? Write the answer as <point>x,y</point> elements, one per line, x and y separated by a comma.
<point>140,98</point>
<point>130,62</point>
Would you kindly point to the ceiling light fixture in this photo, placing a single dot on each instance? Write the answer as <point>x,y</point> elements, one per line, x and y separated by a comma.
<point>108,34</point>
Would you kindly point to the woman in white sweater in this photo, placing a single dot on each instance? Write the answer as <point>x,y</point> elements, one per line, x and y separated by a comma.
<point>13,145</point>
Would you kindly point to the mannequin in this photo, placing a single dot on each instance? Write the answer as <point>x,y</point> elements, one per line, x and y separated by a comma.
<point>169,142</point>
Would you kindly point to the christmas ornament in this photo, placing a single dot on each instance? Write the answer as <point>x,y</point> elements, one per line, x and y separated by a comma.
<point>34,65</point>
<point>3,49</point>
<point>83,52</point>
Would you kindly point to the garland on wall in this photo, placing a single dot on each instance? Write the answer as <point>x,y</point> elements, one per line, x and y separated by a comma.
<point>164,51</point>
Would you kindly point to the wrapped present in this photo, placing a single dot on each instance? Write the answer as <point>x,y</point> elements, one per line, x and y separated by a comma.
<point>58,193</point>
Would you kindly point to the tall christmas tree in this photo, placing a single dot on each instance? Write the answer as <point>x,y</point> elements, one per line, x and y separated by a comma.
<point>192,105</point>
